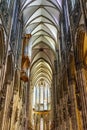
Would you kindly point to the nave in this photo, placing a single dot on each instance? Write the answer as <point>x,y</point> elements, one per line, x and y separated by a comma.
<point>43,64</point>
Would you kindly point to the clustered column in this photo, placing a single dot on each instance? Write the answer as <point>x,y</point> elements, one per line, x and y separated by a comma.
<point>83,94</point>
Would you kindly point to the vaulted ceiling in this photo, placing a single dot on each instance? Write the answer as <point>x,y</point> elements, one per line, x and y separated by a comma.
<point>41,20</point>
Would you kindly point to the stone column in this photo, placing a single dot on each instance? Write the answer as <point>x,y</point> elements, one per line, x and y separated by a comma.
<point>58,117</point>
<point>36,123</point>
<point>61,114</point>
<point>82,83</point>
<point>2,75</point>
<point>26,105</point>
<point>39,96</point>
<point>74,114</point>
<point>14,114</point>
<point>54,92</point>
<point>2,104</point>
<point>44,124</point>
<point>7,106</point>
<point>47,125</point>
<point>66,113</point>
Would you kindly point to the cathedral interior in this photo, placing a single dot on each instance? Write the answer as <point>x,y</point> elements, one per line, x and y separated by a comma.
<point>43,64</point>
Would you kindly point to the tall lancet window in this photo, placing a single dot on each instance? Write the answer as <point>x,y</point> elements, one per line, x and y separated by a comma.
<point>42,97</point>
<point>8,1</point>
<point>73,3</point>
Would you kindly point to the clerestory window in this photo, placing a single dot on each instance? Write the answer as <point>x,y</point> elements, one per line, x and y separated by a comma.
<point>42,97</point>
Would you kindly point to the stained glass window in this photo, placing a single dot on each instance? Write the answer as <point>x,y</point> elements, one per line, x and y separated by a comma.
<point>42,97</point>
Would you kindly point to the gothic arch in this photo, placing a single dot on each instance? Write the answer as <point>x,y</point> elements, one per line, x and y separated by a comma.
<point>2,45</point>
<point>81,45</point>
<point>9,70</point>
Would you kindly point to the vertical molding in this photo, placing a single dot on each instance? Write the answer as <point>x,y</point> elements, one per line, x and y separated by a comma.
<point>82,86</point>
<point>74,114</point>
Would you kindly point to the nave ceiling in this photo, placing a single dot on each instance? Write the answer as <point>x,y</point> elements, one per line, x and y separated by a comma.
<point>41,20</point>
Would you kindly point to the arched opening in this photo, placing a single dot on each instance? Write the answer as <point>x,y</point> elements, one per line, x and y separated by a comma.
<point>85,57</point>
<point>2,46</point>
<point>81,49</point>
<point>9,70</point>
<point>81,74</point>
